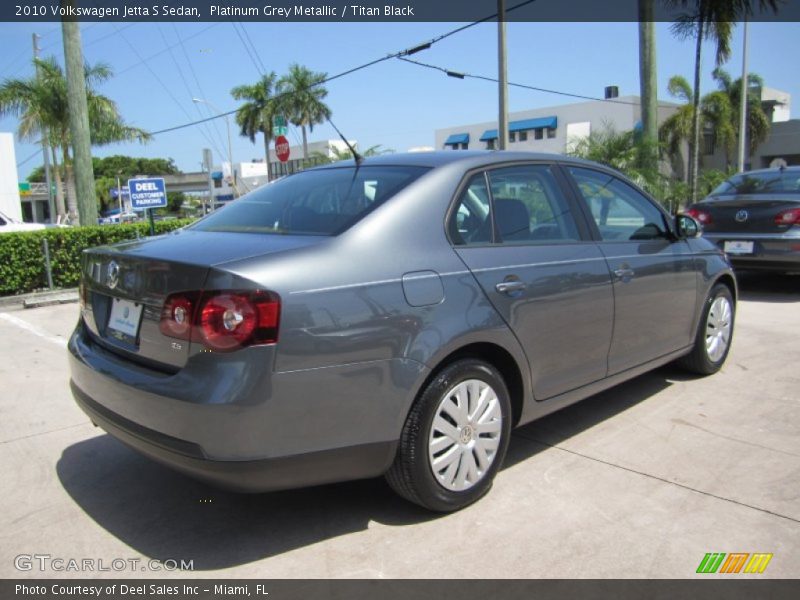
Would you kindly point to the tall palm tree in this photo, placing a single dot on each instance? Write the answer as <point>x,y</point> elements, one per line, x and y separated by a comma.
<point>757,122</point>
<point>304,99</point>
<point>41,104</point>
<point>711,20</point>
<point>677,128</point>
<point>257,113</point>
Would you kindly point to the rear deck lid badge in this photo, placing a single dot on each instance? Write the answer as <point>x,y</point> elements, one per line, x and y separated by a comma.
<point>741,216</point>
<point>112,275</point>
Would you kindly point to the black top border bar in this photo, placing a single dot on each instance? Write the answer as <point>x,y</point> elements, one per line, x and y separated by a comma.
<point>367,11</point>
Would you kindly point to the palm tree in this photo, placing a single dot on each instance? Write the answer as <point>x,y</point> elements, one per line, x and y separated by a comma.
<point>712,20</point>
<point>257,113</point>
<point>41,105</point>
<point>303,101</point>
<point>757,122</point>
<point>677,128</point>
<point>338,154</point>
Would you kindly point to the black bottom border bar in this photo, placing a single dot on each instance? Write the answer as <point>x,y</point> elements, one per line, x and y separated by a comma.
<point>729,588</point>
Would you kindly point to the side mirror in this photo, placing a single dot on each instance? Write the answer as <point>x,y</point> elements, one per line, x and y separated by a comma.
<point>687,227</point>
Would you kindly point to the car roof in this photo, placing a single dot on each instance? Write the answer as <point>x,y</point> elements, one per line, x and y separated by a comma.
<point>469,158</point>
<point>791,169</point>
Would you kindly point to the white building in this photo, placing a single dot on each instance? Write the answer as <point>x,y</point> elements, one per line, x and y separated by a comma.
<point>9,184</point>
<point>550,129</point>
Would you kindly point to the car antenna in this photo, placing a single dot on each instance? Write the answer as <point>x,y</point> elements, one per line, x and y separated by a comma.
<point>356,156</point>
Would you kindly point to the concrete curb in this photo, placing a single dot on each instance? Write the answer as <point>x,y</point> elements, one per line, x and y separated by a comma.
<point>36,299</point>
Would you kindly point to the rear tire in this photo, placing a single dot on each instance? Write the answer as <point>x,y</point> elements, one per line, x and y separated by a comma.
<point>714,333</point>
<point>454,439</point>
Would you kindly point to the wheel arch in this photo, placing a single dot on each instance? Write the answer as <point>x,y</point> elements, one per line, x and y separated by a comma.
<point>501,359</point>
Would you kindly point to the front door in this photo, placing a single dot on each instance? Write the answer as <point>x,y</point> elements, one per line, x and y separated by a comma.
<point>654,274</point>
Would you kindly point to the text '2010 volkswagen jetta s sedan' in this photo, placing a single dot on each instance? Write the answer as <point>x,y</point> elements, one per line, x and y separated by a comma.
<point>398,316</point>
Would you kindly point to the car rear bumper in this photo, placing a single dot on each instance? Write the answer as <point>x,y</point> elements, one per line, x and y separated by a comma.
<point>248,429</point>
<point>779,252</point>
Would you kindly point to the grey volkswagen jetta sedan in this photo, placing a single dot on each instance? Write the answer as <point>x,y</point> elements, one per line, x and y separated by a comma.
<point>396,317</point>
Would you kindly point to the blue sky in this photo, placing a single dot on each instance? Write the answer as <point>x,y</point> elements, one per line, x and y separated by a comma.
<point>393,104</point>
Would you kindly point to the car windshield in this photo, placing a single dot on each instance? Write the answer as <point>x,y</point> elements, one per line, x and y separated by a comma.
<point>318,202</point>
<point>773,182</point>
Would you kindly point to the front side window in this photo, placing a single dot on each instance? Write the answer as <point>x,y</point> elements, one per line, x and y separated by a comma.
<point>315,202</point>
<point>620,212</point>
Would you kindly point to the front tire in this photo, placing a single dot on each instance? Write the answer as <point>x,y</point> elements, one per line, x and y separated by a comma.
<point>454,439</point>
<point>714,334</point>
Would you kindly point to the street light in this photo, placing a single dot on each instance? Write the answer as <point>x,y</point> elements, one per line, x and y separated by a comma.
<point>228,126</point>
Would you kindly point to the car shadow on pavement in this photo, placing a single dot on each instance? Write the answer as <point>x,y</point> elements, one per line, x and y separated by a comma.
<point>164,515</point>
<point>768,287</point>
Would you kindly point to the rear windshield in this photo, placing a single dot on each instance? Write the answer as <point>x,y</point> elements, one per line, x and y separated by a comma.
<point>761,183</point>
<point>319,202</point>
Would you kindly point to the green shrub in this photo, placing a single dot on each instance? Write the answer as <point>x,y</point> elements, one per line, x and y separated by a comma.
<point>22,265</point>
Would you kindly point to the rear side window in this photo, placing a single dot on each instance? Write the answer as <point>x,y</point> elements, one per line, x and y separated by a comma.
<point>620,212</point>
<point>529,206</point>
<point>773,182</point>
<point>319,202</point>
<point>525,205</point>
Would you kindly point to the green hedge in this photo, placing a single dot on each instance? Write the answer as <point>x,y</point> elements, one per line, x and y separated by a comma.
<point>22,265</point>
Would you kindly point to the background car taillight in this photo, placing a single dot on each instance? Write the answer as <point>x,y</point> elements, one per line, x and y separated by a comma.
<point>700,216</point>
<point>222,320</point>
<point>788,217</point>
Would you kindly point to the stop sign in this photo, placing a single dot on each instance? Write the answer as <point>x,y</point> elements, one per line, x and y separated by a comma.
<point>282,148</point>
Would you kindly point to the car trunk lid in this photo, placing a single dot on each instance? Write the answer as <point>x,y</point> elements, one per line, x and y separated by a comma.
<point>125,286</point>
<point>745,214</point>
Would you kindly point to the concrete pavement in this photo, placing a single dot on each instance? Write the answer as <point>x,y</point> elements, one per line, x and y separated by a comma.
<point>640,481</point>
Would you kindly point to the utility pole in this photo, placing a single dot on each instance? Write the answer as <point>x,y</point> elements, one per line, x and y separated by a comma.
<point>45,146</point>
<point>647,84</point>
<point>79,121</point>
<point>502,67</point>
<point>743,104</point>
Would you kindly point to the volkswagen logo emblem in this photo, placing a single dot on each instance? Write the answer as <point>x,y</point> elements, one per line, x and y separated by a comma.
<point>112,275</point>
<point>741,216</point>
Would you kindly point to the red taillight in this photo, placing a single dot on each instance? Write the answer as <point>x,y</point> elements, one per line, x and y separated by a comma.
<point>177,316</point>
<point>700,216</point>
<point>788,217</point>
<point>222,320</point>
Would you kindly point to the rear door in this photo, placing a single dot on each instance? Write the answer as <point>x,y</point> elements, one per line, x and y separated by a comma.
<point>654,275</point>
<point>517,231</point>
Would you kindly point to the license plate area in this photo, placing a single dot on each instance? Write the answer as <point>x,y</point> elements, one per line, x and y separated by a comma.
<point>738,247</point>
<point>124,320</point>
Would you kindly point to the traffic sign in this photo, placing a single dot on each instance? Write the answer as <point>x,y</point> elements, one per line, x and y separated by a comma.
<point>279,126</point>
<point>282,148</point>
<point>147,193</point>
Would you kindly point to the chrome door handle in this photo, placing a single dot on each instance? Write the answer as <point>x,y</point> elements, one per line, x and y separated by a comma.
<point>625,273</point>
<point>508,287</point>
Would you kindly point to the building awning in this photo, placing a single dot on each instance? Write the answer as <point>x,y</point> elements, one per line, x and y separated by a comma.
<point>457,138</point>
<point>489,135</point>
<point>216,175</point>
<point>540,123</point>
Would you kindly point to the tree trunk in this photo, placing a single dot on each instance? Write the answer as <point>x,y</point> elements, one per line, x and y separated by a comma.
<point>61,210</point>
<point>694,146</point>
<point>648,85</point>
<point>266,155</point>
<point>305,144</point>
<point>72,199</point>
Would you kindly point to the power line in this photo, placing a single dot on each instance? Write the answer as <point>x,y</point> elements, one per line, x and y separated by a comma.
<point>30,158</point>
<point>247,49</point>
<point>402,53</point>
<point>197,82</point>
<point>253,46</point>
<point>191,94</point>
<point>462,75</point>
<point>160,52</point>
